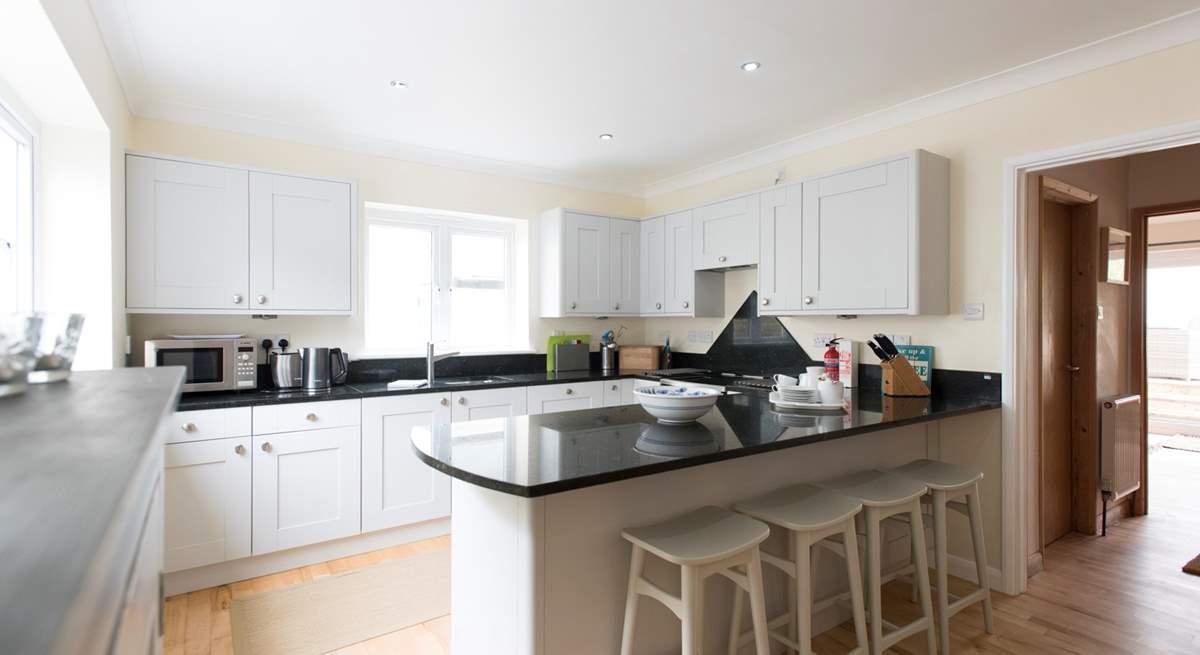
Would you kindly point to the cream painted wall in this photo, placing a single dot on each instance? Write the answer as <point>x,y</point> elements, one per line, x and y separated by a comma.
<point>382,180</point>
<point>1164,177</point>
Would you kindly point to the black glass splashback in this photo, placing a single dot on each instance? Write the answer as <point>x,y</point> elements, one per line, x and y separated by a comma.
<point>755,345</point>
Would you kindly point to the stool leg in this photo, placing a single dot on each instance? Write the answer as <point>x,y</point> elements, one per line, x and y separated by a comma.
<point>802,618</point>
<point>913,595</point>
<point>758,604</point>
<point>692,594</point>
<point>793,626</point>
<point>874,594</point>
<point>636,561</point>
<point>939,558</point>
<point>735,621</point>
<point>975,516</point>
<point>918,535</point>
<point>850,540</point>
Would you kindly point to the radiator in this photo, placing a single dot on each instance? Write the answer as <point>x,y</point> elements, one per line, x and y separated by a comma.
<point>1120,446</point>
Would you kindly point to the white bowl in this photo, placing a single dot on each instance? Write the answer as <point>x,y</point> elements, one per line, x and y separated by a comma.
<point>676,405</point>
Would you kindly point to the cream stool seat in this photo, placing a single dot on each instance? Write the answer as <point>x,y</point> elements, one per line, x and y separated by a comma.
<point>704,542</point>
<point>811,515</point>
<point>946,482</point>
<point>883,496</point>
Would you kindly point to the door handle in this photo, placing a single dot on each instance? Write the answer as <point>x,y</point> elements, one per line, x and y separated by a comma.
<point>1071,368</point>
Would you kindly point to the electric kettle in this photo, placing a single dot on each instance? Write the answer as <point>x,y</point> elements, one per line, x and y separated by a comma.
<point>324,367</point>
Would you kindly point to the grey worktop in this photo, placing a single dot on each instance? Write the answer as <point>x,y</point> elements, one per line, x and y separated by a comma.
<point>77,462</point>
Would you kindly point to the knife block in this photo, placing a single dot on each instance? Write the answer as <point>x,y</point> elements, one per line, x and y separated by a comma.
<point>899,378</point>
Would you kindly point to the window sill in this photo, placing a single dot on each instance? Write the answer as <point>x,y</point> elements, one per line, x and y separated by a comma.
<point>421,355</point>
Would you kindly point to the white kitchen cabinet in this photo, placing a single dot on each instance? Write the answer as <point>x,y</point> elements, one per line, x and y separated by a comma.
<point>653,265</point>
<point>687,292</point>
<point>618,392</point>
<point>317,415</point>
<point>487,403</point>
<point>306,488</point>
<point>205,424</point>
<point>397,488</point>
<point>575,264</point>
<point>875,238</point>
<point>186,235</point>
<point>207,495</point>
<point>780,250</point>
<point>301,245</point>
<point>624,266</point>
<point>725,234</point>
<point>549,398</point>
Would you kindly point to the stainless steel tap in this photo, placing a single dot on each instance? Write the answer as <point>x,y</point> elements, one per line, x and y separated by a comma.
<point>431,359</point>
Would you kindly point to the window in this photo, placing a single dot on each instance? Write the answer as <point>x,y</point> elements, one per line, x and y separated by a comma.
<point>16,215</point>
<point>447,278</point>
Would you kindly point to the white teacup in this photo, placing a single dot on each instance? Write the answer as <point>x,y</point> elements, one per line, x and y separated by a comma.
<point>813,374</point>
<point>831,392</point>
<point>784,380</point>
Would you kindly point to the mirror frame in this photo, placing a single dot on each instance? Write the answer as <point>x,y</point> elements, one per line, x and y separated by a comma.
<point>1109,236</point>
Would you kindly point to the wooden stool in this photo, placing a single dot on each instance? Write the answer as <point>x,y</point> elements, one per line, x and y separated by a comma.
<point>884,495</point>
<point>946,481</point>
<point>708,541</point>
<point>811,515</point>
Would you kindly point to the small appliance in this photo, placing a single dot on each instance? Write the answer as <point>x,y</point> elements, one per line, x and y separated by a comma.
<point>223,364</point>
<point>287,370</point>
<point>324,367</point>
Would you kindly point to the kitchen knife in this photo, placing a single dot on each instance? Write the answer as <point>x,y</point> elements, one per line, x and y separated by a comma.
<point>887,345</point>
<point>883,357</point>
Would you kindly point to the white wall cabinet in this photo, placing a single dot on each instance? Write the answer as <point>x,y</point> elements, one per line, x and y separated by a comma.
<point>487,403</point>
<point>397,488</point>
<point>207,496</point>
<point>725,234</point>
<point>590,264</point>
<point>549,398</point>
<point>208,238</point>
<point>653,265</point>
<point>306,488</point>
<point>780,250</point>
<point>625,266</point>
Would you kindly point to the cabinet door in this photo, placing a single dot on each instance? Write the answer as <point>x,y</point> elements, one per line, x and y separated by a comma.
<point>725,233</point>
<point>207,488</point>
<point>653,253</point>
<point>397,488</point>
<point>487,403</point>
<point>612,393</point>
<point>856,239</point>
<point>550,398</point>
<point>186,235</point>
<point>585,273</point>
<point>679,274</point>
<point>301,245</point>
<point>780,250</point>
<point>624,265</point>
<point>306,488</point>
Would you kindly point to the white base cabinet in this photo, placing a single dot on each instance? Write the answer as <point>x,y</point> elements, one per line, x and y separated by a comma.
<point>207,495</point>
<point>397,488</point>
<point>306,488</point>
<point>549,398</point>
<point>487,403</point>
<point>618,392</point>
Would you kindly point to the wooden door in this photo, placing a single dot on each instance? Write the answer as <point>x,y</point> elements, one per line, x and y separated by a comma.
<point>397,488</point>
<point>680,276</point>
<point>187,232</point>
<point>1058,378</point>
<point>306,488</point>
<point>585,279</point>
<point>857,230</point>
<point>653,265</point>
<point>780,245</point>
<point>725,233</point>
<point>207,496</point>
<point>487,403</point>
<point>301,245</point>
<point>624,266</point>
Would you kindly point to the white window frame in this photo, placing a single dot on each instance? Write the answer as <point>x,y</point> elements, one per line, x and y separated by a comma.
<point>26,171</point>
<point>444,225</point>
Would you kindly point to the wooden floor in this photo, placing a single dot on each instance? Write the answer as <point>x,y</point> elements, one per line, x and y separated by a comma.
<point>1123,593</point>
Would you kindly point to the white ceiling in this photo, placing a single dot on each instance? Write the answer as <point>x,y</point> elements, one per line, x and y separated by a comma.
<point>534,82</point>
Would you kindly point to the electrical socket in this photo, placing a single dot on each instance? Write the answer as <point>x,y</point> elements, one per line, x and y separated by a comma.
<point>819,340</point>
<point>901,339</point>
<point>700,336</point>
<point>264,354</point>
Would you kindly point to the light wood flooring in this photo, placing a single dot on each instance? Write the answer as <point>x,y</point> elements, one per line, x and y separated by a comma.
<point>1123,593</point>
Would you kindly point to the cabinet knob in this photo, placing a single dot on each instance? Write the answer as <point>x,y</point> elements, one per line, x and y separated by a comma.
<point>721,258</point>
<point>572,305</point>
<point>766,301</point>
<point>658,305</point>
<point>262,300</point>
<point>237,298</point>
<point>686,304</point>
<point>808,300</point>
<point>311,417</point>
<point>266,447</point>
<point>616,306</point>
<point>240,449</point>
<point>462,400</point>
<point>445,402</point>
<point>570,391</point>
<point>188,427</point>
<point>615,387</point>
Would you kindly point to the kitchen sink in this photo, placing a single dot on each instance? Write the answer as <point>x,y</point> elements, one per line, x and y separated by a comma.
<point>485,379</point>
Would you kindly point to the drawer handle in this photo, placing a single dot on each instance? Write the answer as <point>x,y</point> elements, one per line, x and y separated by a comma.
<point>189,427</point>
<point>445,401</point>
<point>266,447</point>
<point>240,449</point>
<point>311,417</point>
<point>721,258</point>
<point>462,400</point>
<point>658,305</point>
<point>570,391</point>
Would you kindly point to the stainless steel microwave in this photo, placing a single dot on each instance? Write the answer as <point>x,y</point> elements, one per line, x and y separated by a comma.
<point>212,364</point>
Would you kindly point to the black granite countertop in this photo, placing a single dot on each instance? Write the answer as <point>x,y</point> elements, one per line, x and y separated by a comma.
<point>573,450</point>
<point>226,399</point>
<point>80,461</point>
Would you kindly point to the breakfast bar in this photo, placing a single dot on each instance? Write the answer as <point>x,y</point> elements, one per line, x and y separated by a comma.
<point>539,502</point>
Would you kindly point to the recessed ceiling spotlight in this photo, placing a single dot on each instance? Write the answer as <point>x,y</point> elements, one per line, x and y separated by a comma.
<point>751,66</point>
<point>606,137</point>
<point>397,84</point>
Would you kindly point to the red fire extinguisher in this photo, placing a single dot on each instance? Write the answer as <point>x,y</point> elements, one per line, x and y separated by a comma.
<point>832,361</point>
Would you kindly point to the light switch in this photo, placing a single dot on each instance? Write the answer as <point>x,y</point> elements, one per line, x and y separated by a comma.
<point>973,311</point>
<point>901,339</point>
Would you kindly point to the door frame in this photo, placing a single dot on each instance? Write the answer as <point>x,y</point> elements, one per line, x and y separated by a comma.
<point>1016,301</point>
